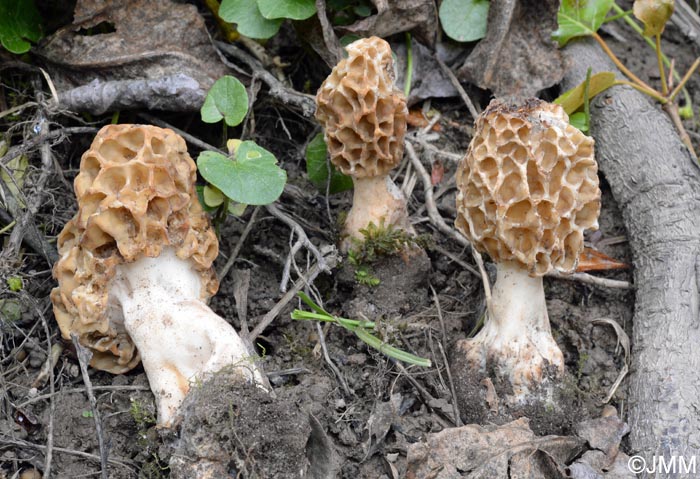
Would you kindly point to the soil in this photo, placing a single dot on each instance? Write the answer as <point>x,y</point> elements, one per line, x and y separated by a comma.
<point>356,410</point>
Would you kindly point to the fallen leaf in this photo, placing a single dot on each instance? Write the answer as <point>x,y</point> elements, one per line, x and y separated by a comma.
<point>496,452</point>
<point>593,260</point>
<point>395,16</point>
<point>517,56</point>
<point>131,46</point>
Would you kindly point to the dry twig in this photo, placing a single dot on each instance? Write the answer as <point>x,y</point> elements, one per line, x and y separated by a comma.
<point>84,356</point>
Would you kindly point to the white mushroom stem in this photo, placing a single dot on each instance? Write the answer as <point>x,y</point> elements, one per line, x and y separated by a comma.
<point>180,339</point>
<point>516,340</point>
<point>375,199</point>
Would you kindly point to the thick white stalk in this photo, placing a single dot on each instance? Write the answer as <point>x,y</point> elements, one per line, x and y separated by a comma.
<point>516,340</point>
<point>375,199</point>
<point>180,339</point>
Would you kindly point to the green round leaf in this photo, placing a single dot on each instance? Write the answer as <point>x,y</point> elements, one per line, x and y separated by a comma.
<point>213,197</point>
<point>464,20</point>
<point>20,24</point>
<point>292,9</point>
<point>227,100</point>
<point>248,19</point>
<point>653,14</point>
<point>252,178</point>
<point>317,168</point>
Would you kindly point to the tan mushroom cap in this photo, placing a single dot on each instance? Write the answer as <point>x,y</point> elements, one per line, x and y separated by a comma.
<point>363,113</point>
<point>136,196</point>
<point>528,186</point>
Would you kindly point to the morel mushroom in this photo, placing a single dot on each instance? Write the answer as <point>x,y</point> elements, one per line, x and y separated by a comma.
<point>364,118</point>
<point>528,188</point>
<point>136,267</point>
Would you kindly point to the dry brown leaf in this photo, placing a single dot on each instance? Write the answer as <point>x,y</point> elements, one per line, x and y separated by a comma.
<point>161,43</point>
<point>517,56</point>
<point>593,260</point>
<point>494,452</point>
<point>397,16</point>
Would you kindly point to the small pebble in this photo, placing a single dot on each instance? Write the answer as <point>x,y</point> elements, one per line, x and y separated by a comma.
<point>340,403</point>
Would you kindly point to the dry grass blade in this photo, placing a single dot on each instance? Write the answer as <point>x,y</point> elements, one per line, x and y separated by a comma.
<point>624,341</point>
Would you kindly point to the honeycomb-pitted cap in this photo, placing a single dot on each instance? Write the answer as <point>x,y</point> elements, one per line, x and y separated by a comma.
<point>363,113</point>
<point>136,196</point>
<point>528,186</point>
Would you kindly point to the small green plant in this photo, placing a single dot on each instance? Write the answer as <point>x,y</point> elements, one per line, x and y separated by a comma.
<point>249,175</point>
<point>15,284</point>
<point>580,19</point>
<point>380,241</point>
<point>464,20</point>
<point>142,416</point>
<point>87,414</point>
<point>364,276</point>
<point>360,328</point>
<point>20,25</point>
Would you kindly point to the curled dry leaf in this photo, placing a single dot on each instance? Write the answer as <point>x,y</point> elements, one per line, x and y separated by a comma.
<point>517,56</point>
<point>593,260</point>
<point>396,16</point>
<point>496,452</point>
<point>160,58</point>
<point>654,14</point>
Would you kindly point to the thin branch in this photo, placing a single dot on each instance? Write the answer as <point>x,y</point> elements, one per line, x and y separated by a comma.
<point>84,356</point>
<point>278,90</point>
<point>85,455</point>
<point>458,86</point>
<point>330,261</point>
<point>237,249</point>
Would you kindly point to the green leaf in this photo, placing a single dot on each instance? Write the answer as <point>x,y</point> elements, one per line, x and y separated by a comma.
<point>200,196</point>
<point>292,9</point>
<point>464,20</point>
<point>253,177</point>
<point>573,99</point>
<point>248,19</point>
<point>227,100</point>
<point>20,24</point>
<point>213,197</point>
<point>236,209</point>
<point>579,120</point>
<point>317,168</point>
<point>580,18</point>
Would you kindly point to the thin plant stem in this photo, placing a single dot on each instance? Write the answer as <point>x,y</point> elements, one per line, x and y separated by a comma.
<point>656,95</point>
<point>630,21</point>
<point>664,85</point>
<point>685,79</point>
<point>409,65</point>
<point>622,67</point>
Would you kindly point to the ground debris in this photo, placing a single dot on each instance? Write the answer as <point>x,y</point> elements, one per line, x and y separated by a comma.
<point>513,451</point>
<point>110,59</point>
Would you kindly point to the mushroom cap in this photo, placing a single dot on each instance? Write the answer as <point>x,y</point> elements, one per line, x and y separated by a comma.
<point>363,113</point>
<point>136,196</point>
<point>528,186</point>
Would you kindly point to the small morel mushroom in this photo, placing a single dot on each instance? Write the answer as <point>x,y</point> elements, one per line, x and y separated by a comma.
<point>528,188</point>
<point>364,118</point>
<point>136,267</point>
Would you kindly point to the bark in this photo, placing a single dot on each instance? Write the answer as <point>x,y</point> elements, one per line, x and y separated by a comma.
<point>657,187</point>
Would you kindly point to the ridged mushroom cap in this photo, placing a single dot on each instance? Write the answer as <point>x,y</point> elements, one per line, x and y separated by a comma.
<point>136,196</point>
<point>528,186</point>
<point>362,112</point>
